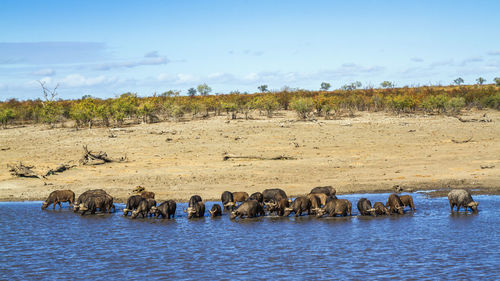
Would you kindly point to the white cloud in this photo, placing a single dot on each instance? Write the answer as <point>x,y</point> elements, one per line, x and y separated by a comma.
<point>471,60</point>
<point>180,78</point>
<point>131,63</point>
<point>78,80</point>
<point>494,53</point>
<point>44,72</point>
<point>417,59</point>
<point>152,54</point>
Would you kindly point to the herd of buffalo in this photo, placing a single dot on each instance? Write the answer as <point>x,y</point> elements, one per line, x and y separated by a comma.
<point>321,201</point>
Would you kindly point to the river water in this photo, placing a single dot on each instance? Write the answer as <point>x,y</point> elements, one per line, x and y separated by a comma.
<point>430,243</point>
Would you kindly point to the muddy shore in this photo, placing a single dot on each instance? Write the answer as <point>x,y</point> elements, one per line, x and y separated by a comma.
<point>371,152</point>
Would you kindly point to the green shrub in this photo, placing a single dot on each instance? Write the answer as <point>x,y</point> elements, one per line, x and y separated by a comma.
<point>437,102</point>
<point>6,116</point>
<point>492,101</point>
<point>268,103</point>
<point>303,107</point>
<point>83,112</point>
<point>454,105</point>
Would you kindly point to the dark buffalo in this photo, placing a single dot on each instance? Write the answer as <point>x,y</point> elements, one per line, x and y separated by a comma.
<point>257,196</point>
<point>144,208</point>
<point>380,209</point>
<point>197,210</point>
<point>240,196</point>
<point>249,209</point>
<point>334,207</point>
<point>275,194</point>
<point>322,197</point>
<point>348,204</point>
<point>194,199</point>
<point>300,204</point>
<point>85,195</point>
<point>227,200</point>
<point>365,207</point>
<point>103,202</point>
<point>165,209</point>
<point>278,207</point>
<point>328,190</point>
<point>329,198</point>
<point>394,204</point>
<point>215,211</point>
<point>58,197</point>
<point>462,198</point>
<point>407,201</point>
<point>132,204</point>
<point>315,202</point>
<point>148,194</point>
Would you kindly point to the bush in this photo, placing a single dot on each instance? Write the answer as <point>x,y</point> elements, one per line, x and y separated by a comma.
<point>230,107</point>
<point>83,112</point>
<point>50,112</point>
<point>402,103</point>
<point>437,102</point>
<point>6,116</point>
<point>268,103</point>
<point>454,105</point>
<point>303,107</point>
<point>492,101</point>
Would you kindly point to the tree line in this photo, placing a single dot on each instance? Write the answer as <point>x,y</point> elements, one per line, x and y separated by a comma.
<point>171,106</point>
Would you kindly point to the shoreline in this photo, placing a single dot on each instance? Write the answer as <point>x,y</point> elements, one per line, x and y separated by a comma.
<point>432,190</point>
<point>368,153</point>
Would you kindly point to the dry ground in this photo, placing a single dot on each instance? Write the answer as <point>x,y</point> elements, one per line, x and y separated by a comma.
<point>371,152</point>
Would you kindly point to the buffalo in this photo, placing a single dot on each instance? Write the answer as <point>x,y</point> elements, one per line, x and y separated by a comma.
<point>380,209</point>
<point>315,201</point>
<point>249,209</point>
<point>132,204</point>
<point>240,196</point>
<point>394,204</point>
<point>274,194</point>
<point>145,207</point>
<point>407,201</point>
<point>165,209</point>
<point>194,199</point>
<point>328,190</point>
<point>227,200</point>
<point>334,207</point>
<point>197,210</point>
<point>85,195</point>
<point>322,197</point>
<point>215,211</point>
<point>257,196</point>
<point>103,202</point>
<point>148,194</point>
<point>278,207</point>
<point>462,198</point>
<point>329,198</point>
<point>365,207</point>
<point>58,197</point>
<point>300,204</point>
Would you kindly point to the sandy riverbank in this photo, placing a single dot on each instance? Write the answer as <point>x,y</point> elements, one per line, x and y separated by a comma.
<point>370,152</point>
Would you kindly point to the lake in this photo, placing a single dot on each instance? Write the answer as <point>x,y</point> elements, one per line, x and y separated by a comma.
<point>430,243</point>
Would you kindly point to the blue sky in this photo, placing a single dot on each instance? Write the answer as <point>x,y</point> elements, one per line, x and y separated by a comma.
<point>105,48</point>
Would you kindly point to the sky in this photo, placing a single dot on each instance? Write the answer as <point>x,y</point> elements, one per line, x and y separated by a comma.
<point>106,48</point>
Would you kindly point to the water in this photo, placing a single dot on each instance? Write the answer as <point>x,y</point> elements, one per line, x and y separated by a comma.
<point>429,243</point>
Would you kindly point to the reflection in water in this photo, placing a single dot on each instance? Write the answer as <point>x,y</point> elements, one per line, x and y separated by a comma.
<point>429,243</point>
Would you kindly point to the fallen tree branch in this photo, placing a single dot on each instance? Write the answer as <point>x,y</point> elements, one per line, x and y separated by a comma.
<point>464,141</point>
<point>482,119</point>
<point>281,157</point>
<point>90,158</point>
<point>21,170</point>
<point>61,168</point>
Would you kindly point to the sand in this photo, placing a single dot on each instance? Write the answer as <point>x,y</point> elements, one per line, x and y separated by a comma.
<point>370,152</point>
